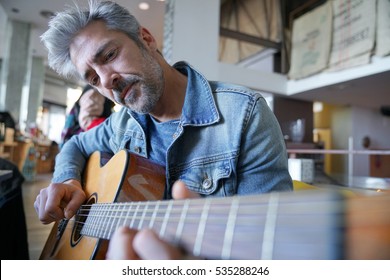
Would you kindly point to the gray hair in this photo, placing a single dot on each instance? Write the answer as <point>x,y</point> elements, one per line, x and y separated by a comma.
<point>64,26</point>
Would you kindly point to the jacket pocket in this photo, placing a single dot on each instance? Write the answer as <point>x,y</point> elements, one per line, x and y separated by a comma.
<point>211,178</point>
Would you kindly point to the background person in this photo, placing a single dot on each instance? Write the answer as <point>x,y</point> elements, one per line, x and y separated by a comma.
<point>89,110</point>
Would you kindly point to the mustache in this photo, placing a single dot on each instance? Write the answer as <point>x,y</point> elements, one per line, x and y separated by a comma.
<point>121,85</point>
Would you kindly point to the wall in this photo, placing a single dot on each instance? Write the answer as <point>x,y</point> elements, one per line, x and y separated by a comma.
<point>341,130</point>
<point>322,119</point>
<point>3,22</point>
<point>196,35</point>
<point>371,123</point>
<point>287,110</point>
<point>55,94</point>
<point>357,122</point>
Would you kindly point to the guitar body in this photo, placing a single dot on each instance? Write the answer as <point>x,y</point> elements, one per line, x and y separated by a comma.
<point>124,178</point>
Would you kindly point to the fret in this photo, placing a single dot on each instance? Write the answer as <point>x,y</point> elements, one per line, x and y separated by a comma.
<point>130,206</point>
<point>269,227</point>
<point>95,212</point>
<point>151,223</point>
<point>134,216</point>
<point>166,217</point>
<point>122,216</point>
<point>143,215</point>
<point>180,225</point>
<point>96,217</point>
<point>88,221</point>
<point>99,226</point>
<point>115,220</point>
<point>201,228</point>
<point>108,221</point>
<point>230,227</point>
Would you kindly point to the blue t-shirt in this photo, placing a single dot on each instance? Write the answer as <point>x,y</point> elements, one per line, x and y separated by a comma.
<point>161,136</point>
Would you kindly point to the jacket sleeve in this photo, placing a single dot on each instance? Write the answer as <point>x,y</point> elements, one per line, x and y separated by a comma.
<point>263,165</point>
<point>71,160</point>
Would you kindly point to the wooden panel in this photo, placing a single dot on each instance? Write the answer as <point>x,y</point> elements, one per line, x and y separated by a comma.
<point>20,153</point>
<point>45,158</point>
<point>7,150</point>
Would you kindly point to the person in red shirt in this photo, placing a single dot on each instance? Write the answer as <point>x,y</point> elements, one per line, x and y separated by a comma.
<point>89,110</point>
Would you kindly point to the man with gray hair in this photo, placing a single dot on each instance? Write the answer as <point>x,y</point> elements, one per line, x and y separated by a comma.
<point>213,138</point>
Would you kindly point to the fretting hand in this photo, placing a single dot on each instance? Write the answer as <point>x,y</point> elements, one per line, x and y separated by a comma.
<point>145,244</point>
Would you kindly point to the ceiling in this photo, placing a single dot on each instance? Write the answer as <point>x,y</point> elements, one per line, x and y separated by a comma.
<point>353,92</point>
<point>29,11</point>
<point>371,91</point>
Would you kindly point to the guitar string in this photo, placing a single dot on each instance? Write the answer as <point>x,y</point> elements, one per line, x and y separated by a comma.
<point>220,209</point>
<point>256,200</point>
<point>217,201</point>
<point>249,219</point>
<point>248,210</point>
<point>314,221</point>
<point>212,246</point>
<point>248,227</point>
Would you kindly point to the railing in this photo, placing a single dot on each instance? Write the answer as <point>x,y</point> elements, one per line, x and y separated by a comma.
<point>350,152</point>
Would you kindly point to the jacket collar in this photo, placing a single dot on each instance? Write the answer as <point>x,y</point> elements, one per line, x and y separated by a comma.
<point>199,105</point>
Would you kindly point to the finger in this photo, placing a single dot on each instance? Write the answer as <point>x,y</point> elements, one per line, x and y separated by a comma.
<point>37,203</point>
<point>180,191</point>
<point>120,246</point>
<point>40,207</point>
<point>77,198</point>
<point>148,246</point>
<point>54,202</point>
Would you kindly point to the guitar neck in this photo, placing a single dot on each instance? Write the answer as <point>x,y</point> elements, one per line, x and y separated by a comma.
<point>274,226</point>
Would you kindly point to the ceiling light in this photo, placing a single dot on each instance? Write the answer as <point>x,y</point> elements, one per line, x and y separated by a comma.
<point>318,107</point>
<point>143,6</point>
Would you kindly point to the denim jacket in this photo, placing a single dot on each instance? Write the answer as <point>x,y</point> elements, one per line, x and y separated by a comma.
<point>227,142</point>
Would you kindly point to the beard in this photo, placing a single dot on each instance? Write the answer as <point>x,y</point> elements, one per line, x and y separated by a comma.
<point>146,89</point>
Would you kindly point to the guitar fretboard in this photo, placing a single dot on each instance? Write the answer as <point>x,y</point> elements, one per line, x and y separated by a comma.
<point>272,226</point>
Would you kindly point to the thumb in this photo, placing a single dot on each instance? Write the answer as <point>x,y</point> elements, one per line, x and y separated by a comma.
<point>181,191</point>
<point>77,198</point>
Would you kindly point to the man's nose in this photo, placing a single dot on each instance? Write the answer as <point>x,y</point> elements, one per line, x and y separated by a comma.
<point>109,79</point>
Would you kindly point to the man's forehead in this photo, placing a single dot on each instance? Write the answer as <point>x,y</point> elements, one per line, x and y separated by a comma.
<point>86,45</point>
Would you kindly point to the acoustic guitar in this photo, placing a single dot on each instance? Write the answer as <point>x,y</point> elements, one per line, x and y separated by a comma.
<point>315,224</point>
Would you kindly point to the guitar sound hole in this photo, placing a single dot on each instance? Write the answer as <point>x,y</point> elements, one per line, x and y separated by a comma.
<point>79,220</point>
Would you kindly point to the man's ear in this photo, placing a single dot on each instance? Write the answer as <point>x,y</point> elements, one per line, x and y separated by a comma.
<point>148,38</point>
